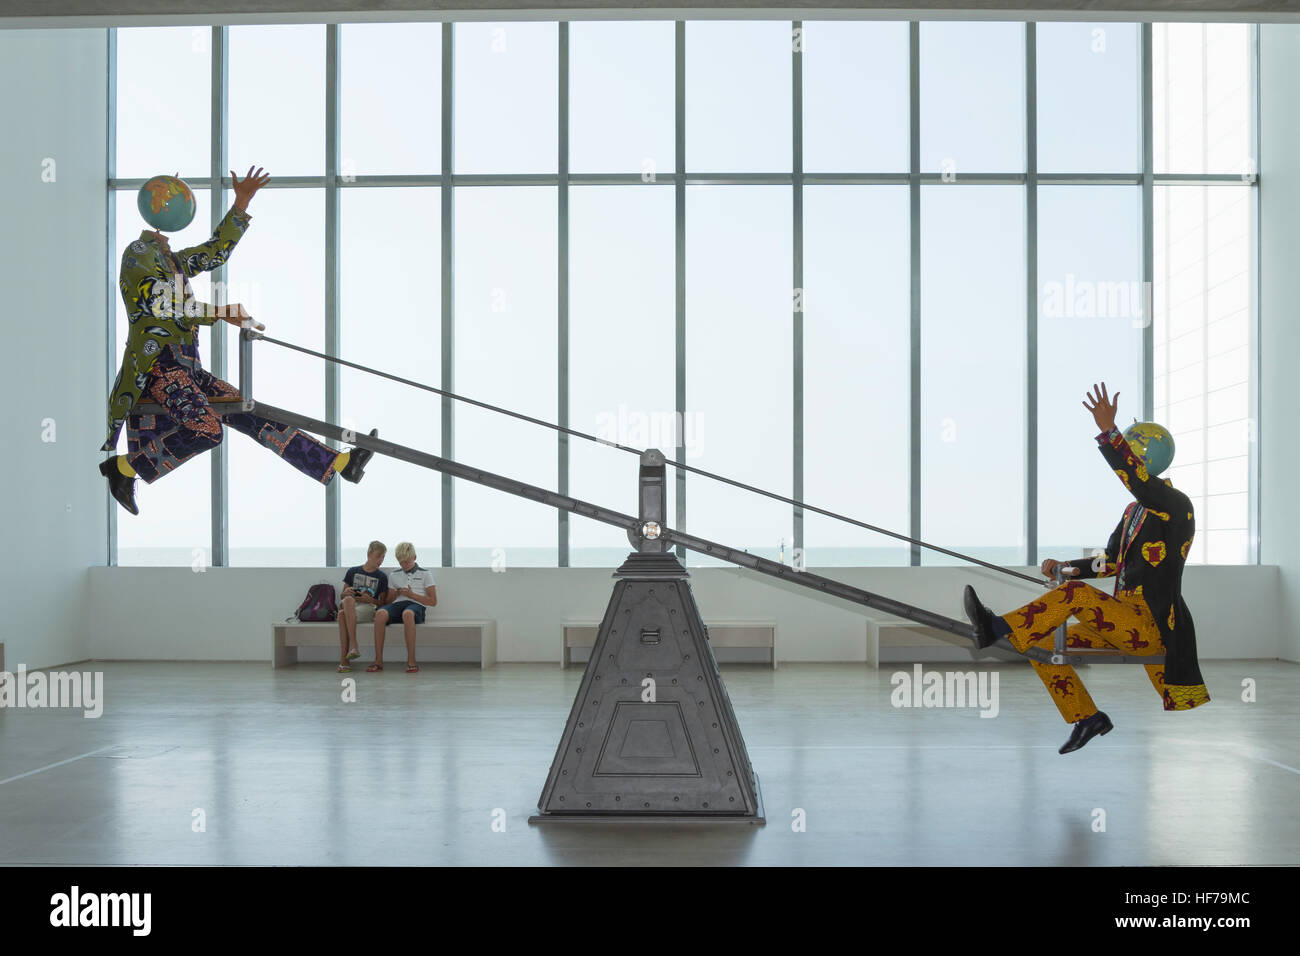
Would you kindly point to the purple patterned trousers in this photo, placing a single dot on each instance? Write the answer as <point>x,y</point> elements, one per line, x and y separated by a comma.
<point>158,444</point>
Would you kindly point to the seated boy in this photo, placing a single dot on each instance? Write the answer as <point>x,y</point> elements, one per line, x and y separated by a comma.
<point>364,586</point>
<point>410,591</point>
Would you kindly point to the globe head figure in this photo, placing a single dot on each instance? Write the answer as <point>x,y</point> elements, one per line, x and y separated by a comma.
<point>166,203</point>
<point>1153,444</point>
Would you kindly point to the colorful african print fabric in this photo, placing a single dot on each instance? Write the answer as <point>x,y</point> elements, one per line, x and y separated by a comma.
<point>1147,552</point>
<point>161,307</point>
<point>158,444</point>
<point>1122,622</point>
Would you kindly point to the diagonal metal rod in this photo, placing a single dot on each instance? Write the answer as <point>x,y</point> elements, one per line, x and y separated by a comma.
<point>639,451</point>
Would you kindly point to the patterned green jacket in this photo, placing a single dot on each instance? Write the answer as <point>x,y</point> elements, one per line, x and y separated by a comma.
<point>161,314</point>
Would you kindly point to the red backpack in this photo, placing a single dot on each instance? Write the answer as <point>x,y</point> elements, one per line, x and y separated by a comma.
<point>319,604</point>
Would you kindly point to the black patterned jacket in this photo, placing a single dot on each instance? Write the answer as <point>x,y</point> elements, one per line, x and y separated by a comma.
<point>1146,552</point>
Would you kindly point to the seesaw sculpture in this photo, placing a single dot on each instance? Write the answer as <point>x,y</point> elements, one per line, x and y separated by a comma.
<point>652,735</point>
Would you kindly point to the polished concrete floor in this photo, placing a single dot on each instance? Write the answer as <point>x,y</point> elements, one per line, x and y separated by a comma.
<point>284,772</point>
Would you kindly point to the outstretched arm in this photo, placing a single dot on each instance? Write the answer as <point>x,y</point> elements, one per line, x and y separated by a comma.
<point>213,253</point>
<point>1150,491</point>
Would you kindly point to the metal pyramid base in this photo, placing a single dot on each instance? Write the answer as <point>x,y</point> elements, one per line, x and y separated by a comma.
<point>652,737</point>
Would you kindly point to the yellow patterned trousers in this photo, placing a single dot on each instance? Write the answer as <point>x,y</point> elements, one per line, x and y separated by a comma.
<point>1122,622</point>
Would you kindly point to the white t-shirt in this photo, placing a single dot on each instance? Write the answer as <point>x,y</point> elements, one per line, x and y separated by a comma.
<point>418,579</point>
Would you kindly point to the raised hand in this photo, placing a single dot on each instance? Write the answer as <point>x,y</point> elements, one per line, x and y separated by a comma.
<point>1103,407</point>
<point>246,187</point>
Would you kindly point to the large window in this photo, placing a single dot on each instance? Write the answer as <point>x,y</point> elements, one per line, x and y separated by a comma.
<point>506,354</point>
<point>1202,320</point>
<point>973,371</point>
<point>621,350</point>
<point>856,335</point>
<point>895,324</point>
<point>738,317</point>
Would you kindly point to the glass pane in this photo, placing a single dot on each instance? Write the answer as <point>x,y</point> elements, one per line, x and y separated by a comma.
<point>164,117</point>
<point>277,514</point>
<point>1203,357</point>
<point>621,360</point>
<point>739,302</point>
<point>738,96</point>
<point>1201,98</point>
<point>277,99</point>
<point>397,501</point>
<point>621,98</point>
<point>507,97</point>
<point>972,97</point>
<point>972,372</point>
<point>1089,97</point>
<point>855,98</point>
<point>174,526</point>
<point>390,93</point>
<point>1091,311</point>
<point>857,321</point>
<point>506,354</point>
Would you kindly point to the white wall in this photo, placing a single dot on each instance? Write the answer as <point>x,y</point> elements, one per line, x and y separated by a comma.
<point>1279,185</point>
<point>53,246</point>
<point>226,613</point>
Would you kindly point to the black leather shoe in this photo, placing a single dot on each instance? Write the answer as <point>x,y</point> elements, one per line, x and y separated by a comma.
<point>987,631</point>
<point>357,460</point>
<point>119,485</point>
<point>1085,730</point>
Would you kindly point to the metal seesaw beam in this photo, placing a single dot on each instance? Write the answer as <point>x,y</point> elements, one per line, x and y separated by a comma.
<point>629,523</point>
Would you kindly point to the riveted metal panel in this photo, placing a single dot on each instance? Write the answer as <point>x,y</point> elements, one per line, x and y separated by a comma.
<point>652,732</point>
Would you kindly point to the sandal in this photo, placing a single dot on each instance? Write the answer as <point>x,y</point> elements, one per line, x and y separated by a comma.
<point>345,669</point>
<point>373,668</point>
<point>412,668</point>
<point>353,654</point>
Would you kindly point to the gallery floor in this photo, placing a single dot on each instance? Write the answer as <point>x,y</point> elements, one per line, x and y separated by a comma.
<point>234,763</point>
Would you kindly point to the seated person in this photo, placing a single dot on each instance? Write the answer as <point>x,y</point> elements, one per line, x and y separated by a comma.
<point>1146,615</point>
<point>364,588</point>
<point>410,591</point>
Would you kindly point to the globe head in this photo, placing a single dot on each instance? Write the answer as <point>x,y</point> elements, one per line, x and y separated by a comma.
<point>166,203</point>
<point>1152,443</point>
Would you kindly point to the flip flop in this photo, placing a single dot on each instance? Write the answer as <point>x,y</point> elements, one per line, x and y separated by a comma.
<point>353,655</point>
<point>374,667</point>
<point>412,668</point>
<point>345,669</point>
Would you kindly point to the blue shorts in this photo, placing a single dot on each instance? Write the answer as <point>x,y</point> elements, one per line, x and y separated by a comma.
<point>397,607</point>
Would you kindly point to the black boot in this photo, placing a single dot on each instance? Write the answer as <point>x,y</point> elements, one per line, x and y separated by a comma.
<point>1085,730</point>
<point>119,485</point>
<point>357,459</point>
<point>988,626</point>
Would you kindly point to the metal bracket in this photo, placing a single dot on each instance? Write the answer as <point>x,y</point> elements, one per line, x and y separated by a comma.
<point>652,504</point>
<point>1062,635</point>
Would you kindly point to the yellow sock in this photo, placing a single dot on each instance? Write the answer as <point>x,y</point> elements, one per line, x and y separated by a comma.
<point>341,461</point>
<point>124,466</point>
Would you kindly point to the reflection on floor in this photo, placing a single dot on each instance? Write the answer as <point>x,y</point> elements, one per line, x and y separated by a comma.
<point>284,772</point>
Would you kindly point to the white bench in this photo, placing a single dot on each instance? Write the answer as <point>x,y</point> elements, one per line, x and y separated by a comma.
<point>747,635</point>
<point>2,666</point>
<point>919,643</point>
<point>288,636</point>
